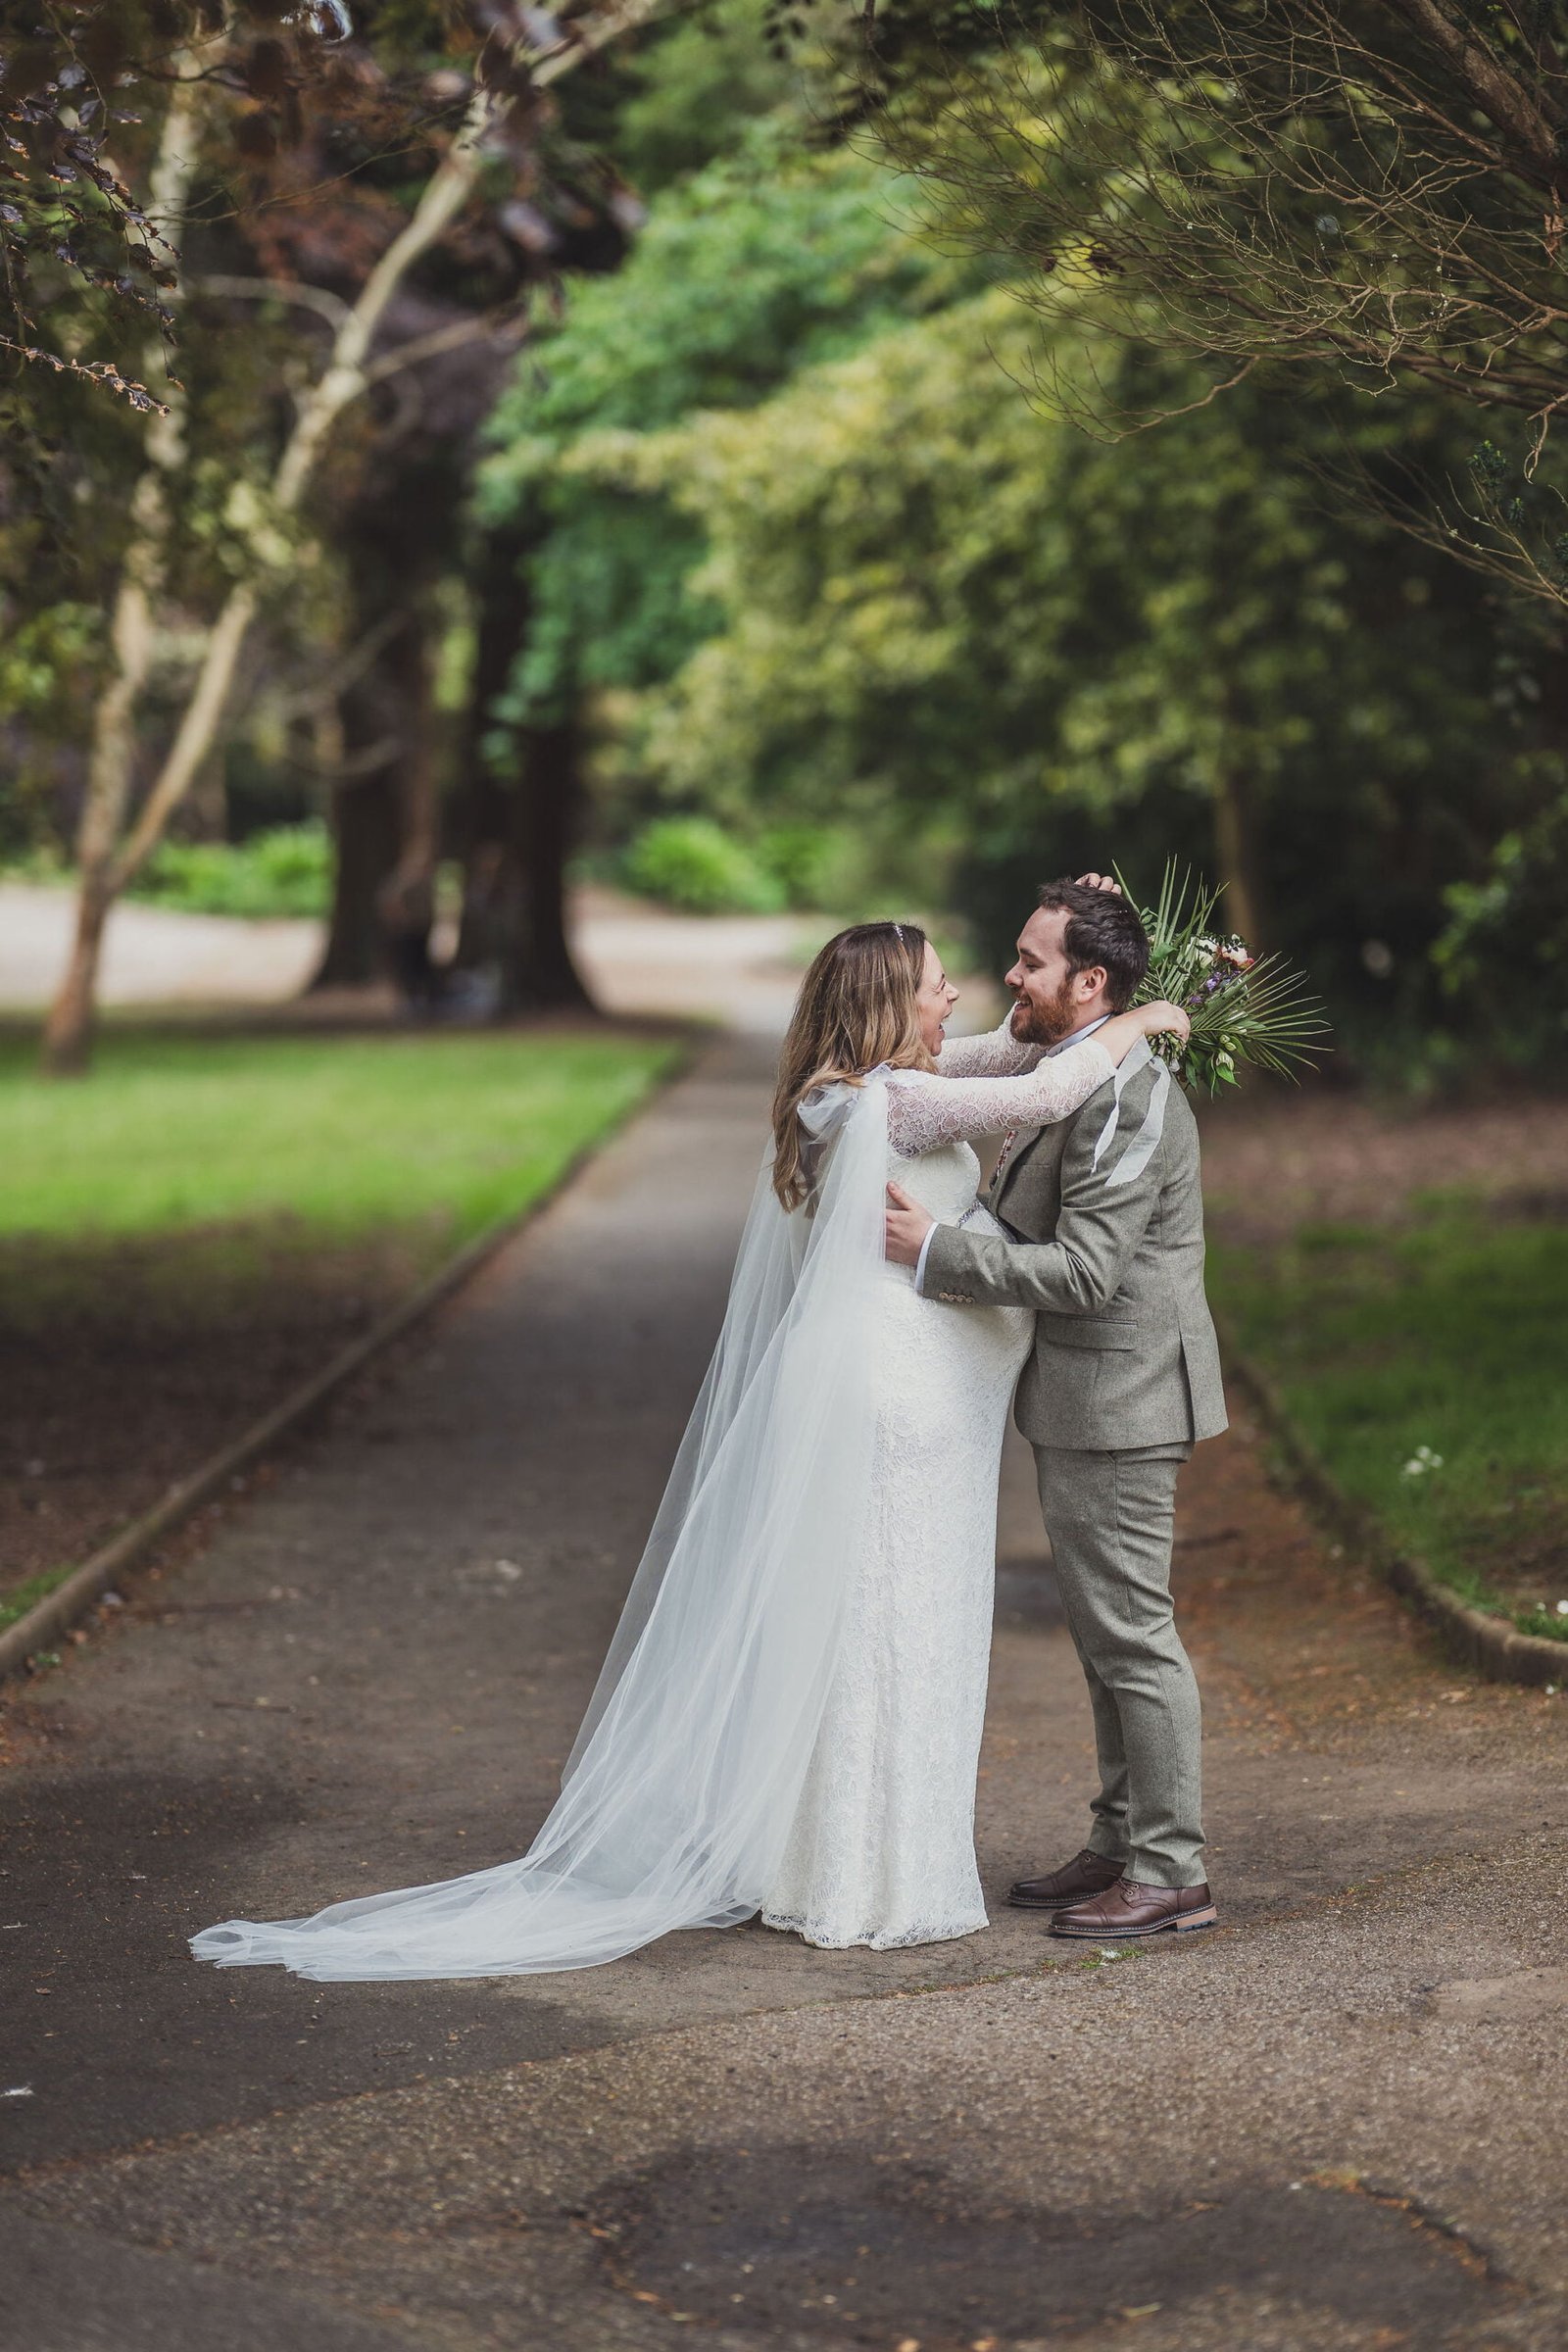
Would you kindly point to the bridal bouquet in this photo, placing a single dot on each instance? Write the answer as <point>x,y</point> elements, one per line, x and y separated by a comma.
<point>1244,1008</point>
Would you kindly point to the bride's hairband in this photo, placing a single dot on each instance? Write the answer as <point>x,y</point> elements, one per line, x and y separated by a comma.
<point>898,933</point>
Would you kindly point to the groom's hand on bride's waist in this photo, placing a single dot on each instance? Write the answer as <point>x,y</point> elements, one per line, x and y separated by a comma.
<point>906,1228</point>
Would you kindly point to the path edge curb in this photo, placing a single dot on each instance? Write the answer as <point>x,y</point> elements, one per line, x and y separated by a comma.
<point>69,1601</point>
<point>1494,1648</point>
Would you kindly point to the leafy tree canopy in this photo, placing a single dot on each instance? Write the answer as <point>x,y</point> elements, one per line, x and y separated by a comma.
<point>1037,646</point>
<point>767,260</point>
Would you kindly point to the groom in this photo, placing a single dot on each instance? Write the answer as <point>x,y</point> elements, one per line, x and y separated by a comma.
<point>1103,1238</point>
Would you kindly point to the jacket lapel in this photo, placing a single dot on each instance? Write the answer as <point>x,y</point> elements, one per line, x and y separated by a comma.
<point>1002,1182</point>
<point>1039,1149</point>
<point>1028,1142</point>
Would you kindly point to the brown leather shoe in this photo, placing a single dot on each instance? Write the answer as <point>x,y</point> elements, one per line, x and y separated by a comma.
<point>1130,1909</point>
<point>1085,1875</point>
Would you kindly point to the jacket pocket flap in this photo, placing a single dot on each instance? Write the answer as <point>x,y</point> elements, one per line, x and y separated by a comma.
<point>1089,1331</point>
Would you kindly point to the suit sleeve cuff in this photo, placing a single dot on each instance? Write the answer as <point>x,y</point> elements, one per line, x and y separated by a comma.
<point>919,1264</point>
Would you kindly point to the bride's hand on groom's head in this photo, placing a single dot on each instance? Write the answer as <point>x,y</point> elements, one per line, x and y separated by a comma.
<point>1100,882</point>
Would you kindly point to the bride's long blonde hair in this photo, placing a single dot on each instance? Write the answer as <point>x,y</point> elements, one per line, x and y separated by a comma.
<point>857,1009</point>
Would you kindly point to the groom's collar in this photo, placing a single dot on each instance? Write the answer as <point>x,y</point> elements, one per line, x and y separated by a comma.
<point>1022,1140</point>
<point>1078,1035</point>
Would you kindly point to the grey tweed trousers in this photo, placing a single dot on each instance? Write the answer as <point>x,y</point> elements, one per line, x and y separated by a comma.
<point>1110,1518</point>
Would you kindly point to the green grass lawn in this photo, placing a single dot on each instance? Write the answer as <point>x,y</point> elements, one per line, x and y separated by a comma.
<point>1448,1332</point>
<point>206,1220</point>
<point>342,1135</point>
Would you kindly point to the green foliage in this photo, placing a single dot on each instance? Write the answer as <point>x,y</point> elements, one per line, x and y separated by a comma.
<point>694,863</point>
<point>764,261</point>
<point>341,1137</point>
<point>49,656</point>
<point>1449,1335</point>
<point>285,871</point>
<point>1301,187</point>
<point>690,863</point>
<point>1507,940</point>
<point>938,603</point>
<point>88,272</point>
<point>702,73</point>
<point>806,861</point>
<point>45,651</point>
<point>804,535</point>
<point>870,533</point>
<point>613,602</point>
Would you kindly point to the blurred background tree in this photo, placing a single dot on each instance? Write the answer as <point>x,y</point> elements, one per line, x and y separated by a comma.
<point>1352,197</point>
<point>966,646</point>
<point>745,496</point>
<point>296,183</point>
<point>1368,194</point>
<point>750,270</point>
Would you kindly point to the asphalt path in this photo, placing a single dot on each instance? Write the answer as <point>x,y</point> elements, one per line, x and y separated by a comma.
<point>1338,2121</point>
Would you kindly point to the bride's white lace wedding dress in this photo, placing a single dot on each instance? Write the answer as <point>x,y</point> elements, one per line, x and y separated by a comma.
<point>881,1850</point>
<point>789,1717</point>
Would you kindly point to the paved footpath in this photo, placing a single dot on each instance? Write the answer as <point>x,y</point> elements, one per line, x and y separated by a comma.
<point>1339,2122</point>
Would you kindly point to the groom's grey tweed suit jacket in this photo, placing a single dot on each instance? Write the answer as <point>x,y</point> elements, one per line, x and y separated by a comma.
<point>1124,1352</point>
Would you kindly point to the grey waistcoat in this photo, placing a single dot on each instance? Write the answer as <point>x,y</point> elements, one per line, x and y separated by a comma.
<point>1124,1351</point>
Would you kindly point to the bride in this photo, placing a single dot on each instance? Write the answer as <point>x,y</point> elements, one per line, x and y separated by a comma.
<point>789,1718</point>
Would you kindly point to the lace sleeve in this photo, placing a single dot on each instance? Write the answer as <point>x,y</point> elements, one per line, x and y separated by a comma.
<point>994,1054</point>
<point>925,1109</point>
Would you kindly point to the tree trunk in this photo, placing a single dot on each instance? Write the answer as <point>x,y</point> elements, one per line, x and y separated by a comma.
<point>342,381</point>
<point>1244,906</point>
<point>208,799</point>
<point>516,831</point>
<point>383,804</point>
<point>365,835</point>
<point>68,1031</point>
<point>537,971</point>
<point>133,633</point>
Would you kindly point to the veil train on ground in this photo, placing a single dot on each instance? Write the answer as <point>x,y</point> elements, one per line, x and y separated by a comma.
<point>681,1789</point>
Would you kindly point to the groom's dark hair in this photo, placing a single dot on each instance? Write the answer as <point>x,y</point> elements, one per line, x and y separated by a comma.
<point>1103,927</point>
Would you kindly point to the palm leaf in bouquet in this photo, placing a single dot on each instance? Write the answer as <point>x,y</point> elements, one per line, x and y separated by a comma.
<point>1246,1011</point>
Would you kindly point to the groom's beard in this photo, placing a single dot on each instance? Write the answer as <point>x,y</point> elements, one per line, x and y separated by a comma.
<point>1045,1024</point>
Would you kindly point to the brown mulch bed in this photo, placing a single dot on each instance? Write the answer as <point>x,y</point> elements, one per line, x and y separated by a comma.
<point>125,1363</point>
<point>1276,1160</point>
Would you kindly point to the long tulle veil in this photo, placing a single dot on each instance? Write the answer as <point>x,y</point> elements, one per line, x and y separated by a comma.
<point>680,1793</point>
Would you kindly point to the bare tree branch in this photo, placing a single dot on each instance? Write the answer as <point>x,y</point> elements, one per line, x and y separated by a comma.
<point>504,79</point>
<point>1373,190</point>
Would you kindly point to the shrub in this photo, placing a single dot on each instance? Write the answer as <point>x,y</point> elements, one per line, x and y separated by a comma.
<point>804,860</point>
<point>1506,948</point>
<point>690,863</point>
<point>287,871</point>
